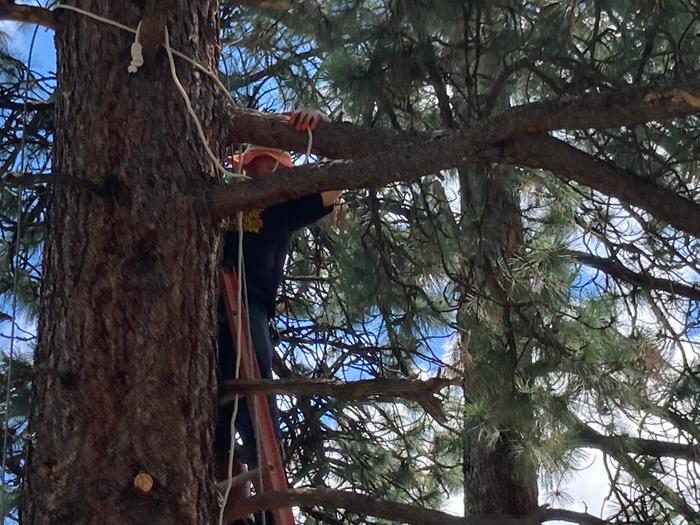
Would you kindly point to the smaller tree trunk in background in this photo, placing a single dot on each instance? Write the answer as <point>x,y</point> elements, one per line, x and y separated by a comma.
<point>496,478</point>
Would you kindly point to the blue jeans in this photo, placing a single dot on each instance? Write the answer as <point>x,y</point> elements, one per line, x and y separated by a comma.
<point>262,343</point>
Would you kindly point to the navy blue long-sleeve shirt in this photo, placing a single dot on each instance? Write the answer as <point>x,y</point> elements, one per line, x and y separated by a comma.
<point>266,236</point>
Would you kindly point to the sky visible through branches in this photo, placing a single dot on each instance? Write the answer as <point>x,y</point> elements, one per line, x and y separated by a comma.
<point>595,297</point>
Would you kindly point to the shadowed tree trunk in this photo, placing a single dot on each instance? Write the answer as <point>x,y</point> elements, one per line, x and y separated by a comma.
<point>497,480</point>
<point>126,333</point>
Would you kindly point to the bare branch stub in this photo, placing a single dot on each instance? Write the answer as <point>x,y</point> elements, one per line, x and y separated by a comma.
<point>27,14</point>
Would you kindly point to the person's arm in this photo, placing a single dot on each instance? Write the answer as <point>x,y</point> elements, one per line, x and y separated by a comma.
<point>308,118</point>
<point>306,210</point>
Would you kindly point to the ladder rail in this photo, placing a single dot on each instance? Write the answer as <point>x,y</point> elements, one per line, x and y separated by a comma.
<point>272,470</point>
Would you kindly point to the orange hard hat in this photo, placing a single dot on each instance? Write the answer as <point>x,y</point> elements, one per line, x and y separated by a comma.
<point>252,152</point>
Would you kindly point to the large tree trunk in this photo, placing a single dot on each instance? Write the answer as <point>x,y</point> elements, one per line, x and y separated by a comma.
<point>126,347</point>
<point>497,477</point>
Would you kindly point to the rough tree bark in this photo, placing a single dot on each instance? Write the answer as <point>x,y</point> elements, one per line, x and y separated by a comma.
<point>496,478</point>
<point>130,279</point>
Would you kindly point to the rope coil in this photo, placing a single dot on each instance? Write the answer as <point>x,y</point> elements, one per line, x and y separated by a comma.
<point>136,52</point>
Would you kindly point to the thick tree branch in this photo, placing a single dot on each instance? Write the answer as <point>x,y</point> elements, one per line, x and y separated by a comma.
<point>410,162</point>
<point>620,451</point>
<point>363,505</point>
<point>650,482</point>
<point>624,107</point>
<point>27,14</point>
<point>335,140</point>
<point>23,179</point>
<point>421,392</point>
<point>570,163</point>
<point>405,388</point>
<point>398,512</point>
<point>389,156</point>
<point>406,163</point>
<point>632,445</point>
<point>643,280</point>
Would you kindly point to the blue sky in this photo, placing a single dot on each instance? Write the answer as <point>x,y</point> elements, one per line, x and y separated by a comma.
<point>19,41</point>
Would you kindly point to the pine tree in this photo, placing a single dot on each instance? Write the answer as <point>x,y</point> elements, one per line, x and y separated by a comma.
<point>512,261</point>
<point>544,263</point>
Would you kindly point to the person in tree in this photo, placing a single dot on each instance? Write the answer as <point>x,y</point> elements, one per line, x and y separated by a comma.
<point>266,236</point>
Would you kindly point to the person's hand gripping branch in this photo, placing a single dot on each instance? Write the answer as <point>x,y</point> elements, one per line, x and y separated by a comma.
<point>306,118</point>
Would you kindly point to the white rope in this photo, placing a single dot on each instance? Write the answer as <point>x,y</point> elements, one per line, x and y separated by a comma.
<point>15,280</point>
<point>277,162</point>
<point>182,91</point>
<point>236,373</point>
<point>192,113</point>
<point>136,52</point>
<point>95,17</point>
<point>309,145</point>
<point>237,369</point>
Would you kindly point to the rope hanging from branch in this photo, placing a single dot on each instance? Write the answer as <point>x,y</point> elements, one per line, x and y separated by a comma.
<point>237,369</point>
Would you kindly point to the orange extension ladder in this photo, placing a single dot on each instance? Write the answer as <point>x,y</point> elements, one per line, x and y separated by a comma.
<point>272,470</point>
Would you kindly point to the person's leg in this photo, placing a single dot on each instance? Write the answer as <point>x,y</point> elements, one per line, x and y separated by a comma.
<point>262,344</point>
<point>244,425</point>
<point>264,351</point>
